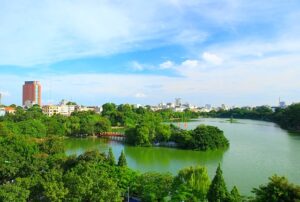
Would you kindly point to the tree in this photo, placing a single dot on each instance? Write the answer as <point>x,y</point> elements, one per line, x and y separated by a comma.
<point>71,103</point>
<point>140,135</point>
<point>32,128</point>
<point>234,195</point>
<point>52,145</point>
<point>56,125</point>
<point>122,160</point>
<point>102,125</point>
<point>208,137</point>
<point>13,192</point>
<point>143,135</point>
<point>73,125</point>
<point>90,182</point>
<point>217,191</point>
<point>163,132</point>
<point>153,186</point>
<point>110,157</point>
<point>278,189</point>
<point>289,118</point>
<point>191,184</point>
<point>53,186</point>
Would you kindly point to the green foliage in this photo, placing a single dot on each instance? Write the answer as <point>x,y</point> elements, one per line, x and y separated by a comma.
<point>8,128</point>
<point>34,123</point>
<point>208,138</point>
<point>278,189</point>
<point>234,195</point>
<point>13,192</point>
<point>110,157</point>
<point>191,184</point>
<point>289,118</point>
<point>16,153</point>
<point>153,186</point>
<point>122,160</point>
<point>201,138</point>
<point>56,125</point>
<point>53,145</point>
<point>89,182</point>
<point>217,191</point>
<point>89,123</point>
<point>257,113</point>
<point>163,133</point>
<point>53,186</point>
<point>71,103</point>
<point>33,128</point>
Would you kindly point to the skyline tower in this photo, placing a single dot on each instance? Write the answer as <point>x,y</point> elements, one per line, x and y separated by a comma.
<point>32,91</point>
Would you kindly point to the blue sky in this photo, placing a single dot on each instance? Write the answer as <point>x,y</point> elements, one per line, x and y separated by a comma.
<point>204,51</point>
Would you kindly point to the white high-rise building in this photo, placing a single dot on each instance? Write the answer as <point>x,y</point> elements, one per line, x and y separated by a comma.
<point>177,102</point>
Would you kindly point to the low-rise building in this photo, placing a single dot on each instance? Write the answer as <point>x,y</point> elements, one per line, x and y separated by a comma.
<point>84,108</point>
<point>10,110</point>
<point>51,110</point>
<point>2,111</point>
<point>62,108</point>
<point>66,109</point>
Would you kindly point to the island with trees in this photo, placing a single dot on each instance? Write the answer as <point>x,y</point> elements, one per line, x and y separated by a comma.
<point>201,138</point>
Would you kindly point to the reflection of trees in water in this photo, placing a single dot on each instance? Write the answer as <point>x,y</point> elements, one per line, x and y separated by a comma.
<point>80,145</point>
<point>146,158</point>
<point>159,157</point>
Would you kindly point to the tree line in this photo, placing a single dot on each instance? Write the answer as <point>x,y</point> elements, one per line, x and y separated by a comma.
<point>288,118</point>
<point>142,126</point>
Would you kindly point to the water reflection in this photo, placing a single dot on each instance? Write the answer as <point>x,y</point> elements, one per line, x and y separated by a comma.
<point>169,159</point>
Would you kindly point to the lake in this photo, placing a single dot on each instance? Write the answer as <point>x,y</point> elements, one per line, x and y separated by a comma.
<point>257,150</point>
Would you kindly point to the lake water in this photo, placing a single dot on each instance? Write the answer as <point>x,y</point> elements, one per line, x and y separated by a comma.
<point>257,150</point>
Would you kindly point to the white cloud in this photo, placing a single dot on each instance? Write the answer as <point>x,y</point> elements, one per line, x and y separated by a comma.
<point>48,31</point>
<point>271,78</point>
<point>190,64</point>
<point>136,66</point>
<point>4,93</point>
<point>166,65</point>
<point>190,37</point>
<point>140,95</point>
<point>212,58</point>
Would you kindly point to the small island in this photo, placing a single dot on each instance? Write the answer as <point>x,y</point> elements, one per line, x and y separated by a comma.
<point>202,138</point>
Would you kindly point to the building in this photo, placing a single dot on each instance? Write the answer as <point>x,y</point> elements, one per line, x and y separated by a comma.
<point>10,110</point>
<point>32,91</point>
<point>177,102</point>
<point>62,108</point>
<point>2,111</point>
<point>282,105</point>
<point>51,110</point>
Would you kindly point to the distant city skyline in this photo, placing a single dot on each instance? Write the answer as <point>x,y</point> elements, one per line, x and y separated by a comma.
<point>205,52</point>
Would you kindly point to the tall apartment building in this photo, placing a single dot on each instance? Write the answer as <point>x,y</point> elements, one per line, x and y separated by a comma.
<point>32,91</point>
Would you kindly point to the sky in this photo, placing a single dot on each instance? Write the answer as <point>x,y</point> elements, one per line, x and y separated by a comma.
<point>236,52</point>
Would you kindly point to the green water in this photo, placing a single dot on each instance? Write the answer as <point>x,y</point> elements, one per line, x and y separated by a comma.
<point>257,150</point>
